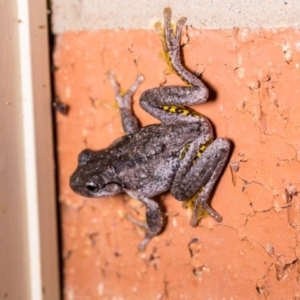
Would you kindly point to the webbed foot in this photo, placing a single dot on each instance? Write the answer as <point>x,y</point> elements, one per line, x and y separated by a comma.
<point>172,39</point>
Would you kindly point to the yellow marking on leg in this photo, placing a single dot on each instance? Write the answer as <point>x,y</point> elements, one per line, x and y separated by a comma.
<point>123,93</point>
<point>184,150</point>
<point>202,148</point>
<point>182,110</point>
<point>190,204</point>
<point>164,54</point>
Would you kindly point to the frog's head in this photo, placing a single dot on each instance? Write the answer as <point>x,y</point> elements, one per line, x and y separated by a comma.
<point>89,179</point>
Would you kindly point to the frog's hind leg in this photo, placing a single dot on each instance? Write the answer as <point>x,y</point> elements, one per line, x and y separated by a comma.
<point>129,121</point>
<point>198,173</point>
<point>162,102</point>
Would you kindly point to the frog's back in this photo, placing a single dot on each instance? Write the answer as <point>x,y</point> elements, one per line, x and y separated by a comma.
<point>146,161</point>
<point>156,139</point>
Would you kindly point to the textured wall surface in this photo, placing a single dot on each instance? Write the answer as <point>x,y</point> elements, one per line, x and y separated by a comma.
<point>77,15</point>
<point>254,76</point>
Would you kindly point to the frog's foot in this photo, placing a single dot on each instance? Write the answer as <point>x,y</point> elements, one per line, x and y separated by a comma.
<point>172,39</point>
<point>129,121</point>
<point>124,99</point>
<point>200,210</point>
<point>136,222</point>
<point>155,220</point>
<point>142,225</point>
<point>173,49</point>
<point>150,233</point>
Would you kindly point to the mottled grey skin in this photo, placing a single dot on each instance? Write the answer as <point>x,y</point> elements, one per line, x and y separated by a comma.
<point>149,161</point>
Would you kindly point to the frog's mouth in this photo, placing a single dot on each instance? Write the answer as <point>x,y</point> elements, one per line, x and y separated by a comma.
<point>93,187</point>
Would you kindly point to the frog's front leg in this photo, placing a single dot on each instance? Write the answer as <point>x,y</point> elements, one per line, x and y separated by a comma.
<point>201,166</point>
<point>154,218</point>
<point>129,121</point>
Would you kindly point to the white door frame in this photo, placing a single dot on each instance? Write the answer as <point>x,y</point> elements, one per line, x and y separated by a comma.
<point>28,220</point>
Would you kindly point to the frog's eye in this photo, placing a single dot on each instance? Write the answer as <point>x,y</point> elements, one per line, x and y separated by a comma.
<point>92,187</point>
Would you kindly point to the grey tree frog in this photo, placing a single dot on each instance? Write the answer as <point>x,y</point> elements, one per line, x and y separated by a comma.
<point>179,155</point>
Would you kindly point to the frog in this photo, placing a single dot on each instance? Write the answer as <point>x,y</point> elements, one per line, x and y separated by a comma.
<point>179,155</point>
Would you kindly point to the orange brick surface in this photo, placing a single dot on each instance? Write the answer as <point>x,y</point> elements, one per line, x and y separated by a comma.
<point>254,82</point>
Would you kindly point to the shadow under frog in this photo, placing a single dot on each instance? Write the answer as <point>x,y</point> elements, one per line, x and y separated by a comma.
<point>179,155</point>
